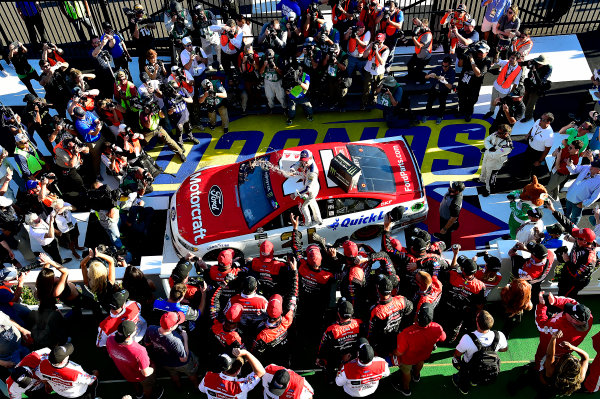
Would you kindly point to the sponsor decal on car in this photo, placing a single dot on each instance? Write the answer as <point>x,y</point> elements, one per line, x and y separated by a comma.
<point>364,219</point>
<point>199,231</point>
<point>215,200</point>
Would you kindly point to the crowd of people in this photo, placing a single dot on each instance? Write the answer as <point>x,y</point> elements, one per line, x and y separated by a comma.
<point>279,313</point>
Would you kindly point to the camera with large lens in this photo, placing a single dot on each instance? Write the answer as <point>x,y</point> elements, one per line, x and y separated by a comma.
<point>36,264</point>
<point>108,250</point>
<point>354,33</point>
<point>473,48</point>
<point>386,14</point>
<point>290,79</point>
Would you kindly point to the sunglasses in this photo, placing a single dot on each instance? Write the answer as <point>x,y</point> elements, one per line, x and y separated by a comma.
<point>511,12</point>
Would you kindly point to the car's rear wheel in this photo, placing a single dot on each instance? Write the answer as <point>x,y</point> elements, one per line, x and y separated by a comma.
<point>211,256</point>
<point>367,233</point>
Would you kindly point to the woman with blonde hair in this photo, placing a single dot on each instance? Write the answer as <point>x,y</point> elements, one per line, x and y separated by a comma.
<point>516,298</point>
<point>563,375</point>
<point>99,276</point>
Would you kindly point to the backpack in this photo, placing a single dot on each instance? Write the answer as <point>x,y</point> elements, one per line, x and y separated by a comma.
<point>484,366</point>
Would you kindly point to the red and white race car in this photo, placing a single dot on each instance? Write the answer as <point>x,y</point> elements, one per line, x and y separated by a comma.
<point>240,205</point>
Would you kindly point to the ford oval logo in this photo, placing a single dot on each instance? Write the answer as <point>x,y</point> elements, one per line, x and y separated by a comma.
<point>215,200</point>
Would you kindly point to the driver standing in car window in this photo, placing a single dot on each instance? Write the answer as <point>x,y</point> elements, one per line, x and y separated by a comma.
<point>307,170</point>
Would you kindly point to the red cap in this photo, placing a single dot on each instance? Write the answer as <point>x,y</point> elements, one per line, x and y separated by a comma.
<point>171,319</point>
<point>350,249</point>
<point>225,258</point>
<point>380,37</point>
<point>586,234</point>
<point>266,251</point>
<point>234,314</point>
<point>313,254</point>
<point>360,24</point>
<point>274,309</point>
<point>396,244</point>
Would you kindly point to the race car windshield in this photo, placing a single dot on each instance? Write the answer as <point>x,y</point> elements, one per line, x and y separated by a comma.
<point>255,191</point>
<point>377,175</point>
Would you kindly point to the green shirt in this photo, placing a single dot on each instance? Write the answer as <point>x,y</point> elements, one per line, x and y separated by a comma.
<point>572,132</point>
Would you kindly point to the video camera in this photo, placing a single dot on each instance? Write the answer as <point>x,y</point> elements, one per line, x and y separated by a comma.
<point>387,13</point>
<point>291,77</point>
<point>150,103</point>
<point>473,48</point>
<point>313,10</point>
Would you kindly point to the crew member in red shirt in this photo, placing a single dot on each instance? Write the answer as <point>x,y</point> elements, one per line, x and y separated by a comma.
<point>592,381</point>
<point>121,309</point>
<point>536,268</point>
<point>281,383</point>
<point>267,270</point>
<point>226,333</point>
<point>386,317</point>
<point>254,307</point>
<point>360,377</point>
<point>430,291</point>
<point>23,379</point>
<point>226,383</point>
<point>339,340</point>
<point>575,321</point>
<point>414,346</point>
<point>222,279</point>
<point>490,273</point>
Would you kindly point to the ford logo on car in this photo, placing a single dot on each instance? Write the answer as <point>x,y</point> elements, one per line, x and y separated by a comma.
<point>215,200</point>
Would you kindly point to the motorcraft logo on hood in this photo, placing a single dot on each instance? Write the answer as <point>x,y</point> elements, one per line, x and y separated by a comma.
<point>215,200</point>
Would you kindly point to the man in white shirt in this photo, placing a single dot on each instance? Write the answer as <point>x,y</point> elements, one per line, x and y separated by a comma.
<point>231,44</point>
<point>509,77</point>
<point>466,348</point>
<point>42,232</point>
<point>227,384</point>
<point>151,89</point>
<point>376,54</point>
<point>360,377</point>
<point>540,139</point>
<point>194,60</point>
<point>584,191</point>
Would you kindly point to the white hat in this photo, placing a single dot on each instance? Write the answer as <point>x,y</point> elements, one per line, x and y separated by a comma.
<point>122,127</point>
<point>186,40</point>
<point>327,25</point>
<point>291,15</point>
<point>5,201</point>
<point>8,273</point>
<point>21,137</point>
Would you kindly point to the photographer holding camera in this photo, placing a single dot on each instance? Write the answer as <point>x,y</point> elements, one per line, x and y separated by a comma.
<point>249,67</point>
<point>194,60</point>
<point>105,202</point>
<point>177,99</point>
<point>83,99</point>
<point>511,109</point>
<point>102,65</point>
<point>140,28</point>
<point>149,120</point>
<point>358,39</point>
<point>112,114</point>
<point>423,41</point>
<point>442,80</point>
<point>116,46</point>
<point>389,100</point>
<point>536,83</point>
<point>202,19</point>
<point>54,81</point>
<point>497,147</point>
<point>68,159</point>
<point>17,55</point>
<point>312,19</point>
<point>37,118</point>
<point>509,77</point>
<point>456,20</point>
<point>294,36</point>
<point>390,22</point>
<point>114,160</point>
<point>374,69</point>
<point>231,45</point>
<point>336,78</point>
<point>296,84</point>
<point>474,65</point>
<point>88,126</point>
<point>42,232</point>
<point>52,54</point>
<point>270,70</point>
<point>272,36</point>
<point>215,98</point>
<point>29,161</point>
<point>465,36</point>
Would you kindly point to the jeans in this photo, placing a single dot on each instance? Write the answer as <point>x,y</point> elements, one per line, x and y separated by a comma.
<point>111,226</point>
<point>304,101</point>
<point>573,212</point>
<point>440,95</point>
<point>356,63</point>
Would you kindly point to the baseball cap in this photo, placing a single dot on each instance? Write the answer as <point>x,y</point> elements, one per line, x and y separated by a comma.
<point>425,315</point>
<point>461,7</point>
<point>31,184</point>
<point>79,112</point>
<point>384,285</point>
<point>365,353</point>
<point>291,15</point>
<point>535,213</point>
<point>249,285</point>
<point>595,163</point>
<point>470,22</point>
<point>186,41</point>
<point>467,265</point>
<point>396,244</point>
<point>224,362</point>
<point>380,37</point>
<point>21,137</point>
<point>234,314</point>
<point>305,155</point>
<point>266,251</point>
<point>76,91</point>
<point>106,26</point>
<point>327,25</point>
<point>586,234</point>
<point>274,308</point>
<point>181,271</point>
<point>118,299</point>
<point>555,228</point>
<point>138,7</point>
<point>280,382</point>
<point>225,258</point>
<point>350,249</point>
<point>8,273</point>
<point>418,244</point>
<point>517,91</point>
<point>59,353</point>
<point>492,262</point>
<point>457,186</point>
<point>313,254</point>
<point>22,376</point>
<point>578,311</point>
<point>5,201</point>
<point>29,98</point>
<point>126,329</point>
<point>171,319</point>
<point>345,309</point>
<point>538,250</point>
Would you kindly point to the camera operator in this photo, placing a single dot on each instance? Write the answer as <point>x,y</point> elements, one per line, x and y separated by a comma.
<point>52,54</point>
<point>496,148</point>
<point>509,77</point>
<point>37,118</point>
<point>102,65</point>
<point>112,114</point>
<point>129,143</point>
<point>523,44</point>
<point>140,28</point>
<point>248,66</point>
<point>149,120</point>
<point>476,64</point>
<point>62,129</point>
<point>389,100</point>
<point>88,126</point>
<point>536,83</point>
<point>511,109</point>
<point>377,54</point>
<point>215,98</point>
<point>124,92</point>
<point>80,99</point>
<point>508,25</point>
<point>442,80</point>
<point>194,60</point>
<point>42,232</point>
<point>155,68</point>
<point>54,81</point>
<point>13,230</point>
<point>294,37</point>
<point>327,36</point>
<point>116,46</point>
<point>78,79</point>
<point>465,36</point>
<point>231,45</point>
<point>296,84</point>
<point>202,20</point>
<point>270,69</point>
<point>369,16</point>
<point>342,13</point>
<point>68,231</point>
<point>312,19</point>
<point>29,160</point>
<point>150,90</point>
<point>455,19</point>
<point>423,41</point>
<point>390,22</point>
<point>177,99</point>
<point>104,201</point>
<point>68,159</point>
<point>17,55</point>
<point>178,24</point>
<point>272,36</point>
<point>312,55</point>
<point>114,160</point>
<point>358,39</point>
<point>336,78</point>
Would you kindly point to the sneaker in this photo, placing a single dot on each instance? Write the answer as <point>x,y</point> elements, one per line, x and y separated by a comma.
<point>438,121</point>
<point>309,118</point>
<point>182,157</point>
<point>488,114</point>
<point>225,130</point>
<point>398,387</point>
<point>288,122</point>
<point>468,118</point>
<point>415,376</point>
<point>456,383</point>
<point>485,192</point>
<point>193,139</point>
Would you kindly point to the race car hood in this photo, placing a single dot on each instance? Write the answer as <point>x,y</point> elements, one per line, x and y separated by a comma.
<point>207,206</point>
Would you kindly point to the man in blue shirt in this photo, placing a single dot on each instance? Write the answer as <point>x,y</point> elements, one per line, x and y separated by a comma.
<point>31,12</point>
<point>116,47</point>
<point>297,92</point>
<point>442,78</point>
<point>88,126</point>
<point>389,100</point>
<point>288,6</point>
<point>494,10</point>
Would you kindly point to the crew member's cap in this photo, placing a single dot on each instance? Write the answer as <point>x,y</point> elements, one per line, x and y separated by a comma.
<point>396,244</point>
<point>586,234</point>
<point>384,285</point>
<point>578,311</point>
<point>181,271</point>
<point>118,299</point>
<point>274,308</point>
<point>535,213</point>
<point>21,138</point>
<point>78,112</point>
<point>234,314</point>
<point>31,184</point>
<point>313,254</point>
<point>345,309</point>
<point>365,353</point>
<point>541,59</point>
<point>171,319</point>
<point>305,155</point>
<point>538,250</point>
<point>186,40</point>
<point>555,228</point>
<point>5,201</point>
<point>425,315</point>
<point>266,251</point>
<point>206,83</point>
<point>138,8</point>
<point>517,91</point>
<point>249,285</point>
<point>126,329</point>
<point>470,22</point>
<point>467,265</point>
<point>350,249</point>
<point>225,258</point>
<point>29,98</point>
<point>22,376</point>
<point>389,81</point>
<point>380,37</point>
<point>280,382</point>
<point>418,244</point>
<point>59,353</point>
<point>492,263</point>
<point>8,273</point>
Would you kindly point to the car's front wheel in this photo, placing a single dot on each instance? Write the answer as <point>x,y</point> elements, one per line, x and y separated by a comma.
<point>367,233</point>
